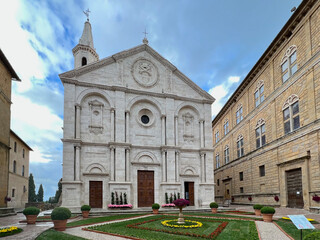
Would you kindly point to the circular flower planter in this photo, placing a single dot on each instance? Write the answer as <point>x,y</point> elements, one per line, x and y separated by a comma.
<point>85,214</point>
<point>31,219</point>
<point>267,217</point>
<point>60,225</point>
<point>257,212</point>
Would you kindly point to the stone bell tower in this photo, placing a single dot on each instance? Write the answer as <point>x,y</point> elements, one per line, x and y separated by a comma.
<point>84,52</point>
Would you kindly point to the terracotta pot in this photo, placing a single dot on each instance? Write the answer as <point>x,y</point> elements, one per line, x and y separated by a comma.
<point>155,211</point>
<point>257,212</point>
<point>31,219</point>
<point>267,217</point>
<point>60,225</point>
<point>85,214</point>
<point>214,210</point>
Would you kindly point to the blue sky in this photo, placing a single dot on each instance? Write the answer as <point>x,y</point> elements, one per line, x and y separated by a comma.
<point>215,43</point>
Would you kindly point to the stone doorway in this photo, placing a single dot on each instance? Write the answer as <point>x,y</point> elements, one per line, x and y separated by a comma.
<point>145,188</point>
<point>95,188</point>
<point>294,188</point>
<point>227,191</point>
<point>189,192</point>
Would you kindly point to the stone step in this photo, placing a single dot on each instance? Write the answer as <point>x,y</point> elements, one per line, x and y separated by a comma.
<point>4,212</point>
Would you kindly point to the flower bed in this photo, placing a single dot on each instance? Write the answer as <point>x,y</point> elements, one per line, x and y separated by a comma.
<point>188,224</point>
<point>120,206</point>
<point>7,231</point>
<point>168,205</point>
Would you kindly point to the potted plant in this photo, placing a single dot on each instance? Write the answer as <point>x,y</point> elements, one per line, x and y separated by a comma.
<point>181,203</point>
<point>214,207</point>
<point>155,208</point>
<point>85,209</point>
<point>31,214</point>
<point>267,213</point>
<point>257,209</point>
<point>59,216</point>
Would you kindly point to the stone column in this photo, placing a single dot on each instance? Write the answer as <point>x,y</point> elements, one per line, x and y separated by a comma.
<point>127,164</point>
<point>201,134</point>
<point>177,166</point>
<point>78,109</point>
<point>163,130</point>
<point>176,130</point>
<point>112,126</point>
<point>77,163</point>
<point>112,167</point>
<point>202,167</point>
<point>164,169</point>
<point>127,125</point>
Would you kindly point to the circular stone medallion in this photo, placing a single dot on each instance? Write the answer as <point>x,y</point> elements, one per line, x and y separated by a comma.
<point>145,72</point>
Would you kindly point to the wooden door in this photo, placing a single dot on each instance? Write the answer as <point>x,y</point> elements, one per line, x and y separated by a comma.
<point>294,188</point>
<point>95,199</point>
<point>145,188</point>
<point>189,192</point>
<point>227,191</point>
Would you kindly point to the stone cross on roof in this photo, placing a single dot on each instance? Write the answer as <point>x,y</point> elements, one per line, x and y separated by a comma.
<point>145,40</point>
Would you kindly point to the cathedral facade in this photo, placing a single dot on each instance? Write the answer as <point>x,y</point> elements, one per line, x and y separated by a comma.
<point>134,125</point>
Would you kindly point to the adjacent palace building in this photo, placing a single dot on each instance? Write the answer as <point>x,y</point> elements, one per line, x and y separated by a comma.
<point>266,137</point>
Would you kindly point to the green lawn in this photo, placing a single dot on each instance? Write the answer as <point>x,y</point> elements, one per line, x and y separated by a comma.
<point>151,228</point>
<point>207,214</point>
<point>101,219</point>
<point>53,235</point>
<point>292,230</point>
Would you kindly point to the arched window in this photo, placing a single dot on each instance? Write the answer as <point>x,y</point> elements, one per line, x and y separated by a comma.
<point>239,114</point>
<point>226,127</point>
<point>240,150</point>
<point>217,160</point>
<point>260,133</point>
<point>84,61</point>
<point>23,170</point>
<point>289,63</point>
<point>291,117</point>
<point>226,154</point>
<point>217,136</point>
<point>259,93</point>
<point>14,166</point>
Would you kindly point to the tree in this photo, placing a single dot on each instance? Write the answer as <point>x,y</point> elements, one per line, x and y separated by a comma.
<point>40,194</point>
<point>58,192</point>
<point>32,190</point>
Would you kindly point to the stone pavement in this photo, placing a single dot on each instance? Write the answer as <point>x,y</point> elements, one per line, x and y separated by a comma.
<point>267,231</point>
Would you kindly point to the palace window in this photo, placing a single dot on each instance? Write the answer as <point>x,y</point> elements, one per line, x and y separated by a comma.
<point>226,127</point>
<point>24,189</point>
<point>15,147</point>
<point>218,182</point>
<point>14,166</point>
<point>262,171</point>
<point>291,119</point>
<point>13,192</point>
<point>240,150</point>
<point>289,63</point>
<point>226,154</point>
<point>239,114</point>
<point>23,153</point>
<point>259,93</point>
<point>217,161</point>
<point>260,133</point>
<point>23,170</point>
<point>241,189</point>
<point>217,136</point>
<point>241,176</point>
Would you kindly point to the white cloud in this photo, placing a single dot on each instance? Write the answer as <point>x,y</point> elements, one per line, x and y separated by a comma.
<point>37,157</point>
<point>221,93</point>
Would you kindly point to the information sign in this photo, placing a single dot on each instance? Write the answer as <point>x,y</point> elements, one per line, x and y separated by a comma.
<point>301,222</point>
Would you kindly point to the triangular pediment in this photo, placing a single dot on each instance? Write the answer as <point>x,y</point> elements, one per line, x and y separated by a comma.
<point>142,64</point>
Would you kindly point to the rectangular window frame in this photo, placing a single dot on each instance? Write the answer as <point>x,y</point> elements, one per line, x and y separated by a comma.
<point>240,176</point>
<point>262,171</point>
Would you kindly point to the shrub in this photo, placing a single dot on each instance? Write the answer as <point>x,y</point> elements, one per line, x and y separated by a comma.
<point>85,208</point>
<point>214,205</point>
<point>155,206</point>
<point>312,236</point>
<point>31,211</point>
<point>268,210</point>
<point>60,213</point>
<point>257,206</point>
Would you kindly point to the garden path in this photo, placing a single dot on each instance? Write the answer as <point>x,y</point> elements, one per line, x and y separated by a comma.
<point>269,231</point>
